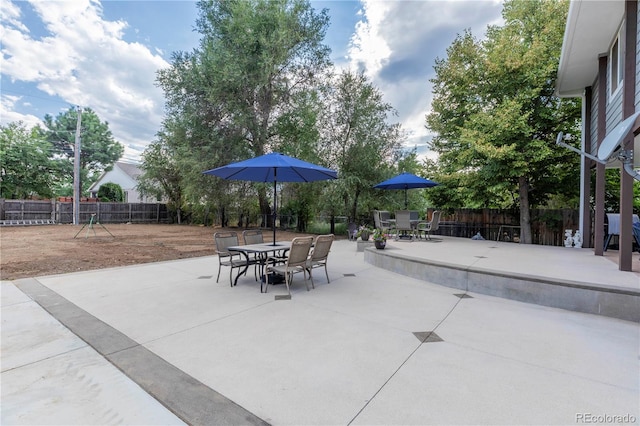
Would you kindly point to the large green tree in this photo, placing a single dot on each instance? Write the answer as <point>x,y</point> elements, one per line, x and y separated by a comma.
<point>237,94</point>
<point>161,177</point>
<point>98,150</point>
<point>359,141</point>
<point>496,116</point>
<point>27,167</point>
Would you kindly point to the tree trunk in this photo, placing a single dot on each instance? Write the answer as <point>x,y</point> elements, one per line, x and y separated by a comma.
<point>354,206</point>
<point>525,211</point>
<point>265,208</point>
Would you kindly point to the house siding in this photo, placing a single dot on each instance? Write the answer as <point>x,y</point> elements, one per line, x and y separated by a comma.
<point>125,175</point>
<point>613,105</point>
<point>614,110</point>
<point>637,91</point>
<point>593,136</point>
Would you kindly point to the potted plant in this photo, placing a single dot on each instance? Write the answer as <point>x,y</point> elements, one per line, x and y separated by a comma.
<point>364,232</point>
<point>379,239</point>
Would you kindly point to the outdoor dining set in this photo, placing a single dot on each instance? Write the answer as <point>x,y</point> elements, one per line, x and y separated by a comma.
<point>273,262</point>
<point>302,254</point>
<point>406,224</point>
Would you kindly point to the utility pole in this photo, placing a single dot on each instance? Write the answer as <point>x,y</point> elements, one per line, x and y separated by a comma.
<point>76,172</point>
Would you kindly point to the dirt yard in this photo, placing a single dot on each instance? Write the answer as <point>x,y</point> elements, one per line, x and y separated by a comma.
<point>31,251</point>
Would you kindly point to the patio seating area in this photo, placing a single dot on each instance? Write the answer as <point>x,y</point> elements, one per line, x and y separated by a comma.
<point>163,343</point>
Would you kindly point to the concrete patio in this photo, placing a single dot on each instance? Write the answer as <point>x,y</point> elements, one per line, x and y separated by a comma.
<point>163,343</point>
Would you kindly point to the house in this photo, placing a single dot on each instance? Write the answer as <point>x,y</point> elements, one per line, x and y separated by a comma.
<point>598,63</point>
<point>125,175</point>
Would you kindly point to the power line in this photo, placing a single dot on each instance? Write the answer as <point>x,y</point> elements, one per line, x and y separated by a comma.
<point>49,99</point>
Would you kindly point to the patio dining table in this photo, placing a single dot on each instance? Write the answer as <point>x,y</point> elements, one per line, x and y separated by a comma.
<point>261,252</point>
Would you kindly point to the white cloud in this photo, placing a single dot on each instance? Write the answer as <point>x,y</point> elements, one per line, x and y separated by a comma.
<point>9,115</point>
<point>83,60</point>
<point>397,43</point>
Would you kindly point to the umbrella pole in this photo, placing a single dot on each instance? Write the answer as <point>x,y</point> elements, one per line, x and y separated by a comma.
<point>275,204</point>
<point>405,199</point>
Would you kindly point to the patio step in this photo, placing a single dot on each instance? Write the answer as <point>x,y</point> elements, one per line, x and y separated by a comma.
<point>606,300</point>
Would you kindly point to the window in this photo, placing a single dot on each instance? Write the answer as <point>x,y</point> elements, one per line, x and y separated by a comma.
<point>615,65</point>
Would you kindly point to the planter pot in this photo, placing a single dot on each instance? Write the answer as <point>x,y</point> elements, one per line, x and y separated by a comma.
<point>380,245</point>
<point>364,236</point>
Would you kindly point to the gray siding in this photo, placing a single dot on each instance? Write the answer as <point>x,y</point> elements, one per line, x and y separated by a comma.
<point>614,110</point>
<point>594,118</point>
<point>637,91</point>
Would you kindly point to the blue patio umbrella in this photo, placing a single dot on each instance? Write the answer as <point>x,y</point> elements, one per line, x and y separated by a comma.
<point>273,167</point>
<point>406,181</point>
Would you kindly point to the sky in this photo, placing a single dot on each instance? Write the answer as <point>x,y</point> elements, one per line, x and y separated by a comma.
<point>105,55</point>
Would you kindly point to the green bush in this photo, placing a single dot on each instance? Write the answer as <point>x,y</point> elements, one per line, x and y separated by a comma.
<point>111,192</point>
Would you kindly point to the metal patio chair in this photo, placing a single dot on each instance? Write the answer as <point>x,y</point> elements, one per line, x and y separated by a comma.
<point>427,227</point>
<point>254,236</point>
<point>296,262</point>
<point>403,224</point>
<point>319,255</point>
<point>226,257</point>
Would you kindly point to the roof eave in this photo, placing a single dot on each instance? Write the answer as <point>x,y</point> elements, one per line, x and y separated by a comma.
<point>591,26</point>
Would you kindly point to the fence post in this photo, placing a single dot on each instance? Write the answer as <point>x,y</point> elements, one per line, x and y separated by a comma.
<point>2,209</point>
<point>130,213</point>
<point>22,210</point>
<point>52,212</point>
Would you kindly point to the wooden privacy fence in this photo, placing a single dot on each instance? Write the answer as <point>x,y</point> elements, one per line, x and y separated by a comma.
<point>547,226</point>
<point>27,212</point>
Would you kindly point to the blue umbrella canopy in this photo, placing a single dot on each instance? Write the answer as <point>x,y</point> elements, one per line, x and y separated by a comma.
<point>273,167</point>
<point>406,181</point>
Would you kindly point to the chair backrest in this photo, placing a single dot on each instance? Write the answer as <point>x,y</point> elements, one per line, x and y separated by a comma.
<point>385,216</point>
<point>224,240</point>
<point>403,219</point>
<point>414,215</point>
<point>252,236</point>
<point>299,252</point>
<point>352,229</point>
<point>321,247</point>
<point>376,218</point>
<point>435,221</point>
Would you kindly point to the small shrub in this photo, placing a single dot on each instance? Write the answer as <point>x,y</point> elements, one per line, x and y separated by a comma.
<point>111,192</point>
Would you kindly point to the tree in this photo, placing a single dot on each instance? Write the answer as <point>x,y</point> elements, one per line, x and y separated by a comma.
<point>232,96</point>
<point>496,115</point>
<point>111,192</point>
<point>161,175</point>
<point>357,140</point>
<point>99,151</point>
<point>26,166</point>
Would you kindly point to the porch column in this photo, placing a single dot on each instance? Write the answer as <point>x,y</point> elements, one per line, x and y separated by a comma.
<point>585,171</point>
<point>628,108</point>
<point>598,240</point>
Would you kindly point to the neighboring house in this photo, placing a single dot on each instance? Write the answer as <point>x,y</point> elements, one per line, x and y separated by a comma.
<point>125,175</point>
<point>598,64</point>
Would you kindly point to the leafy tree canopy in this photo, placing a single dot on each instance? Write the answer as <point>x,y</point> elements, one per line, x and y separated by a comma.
<point>27,167</point>
<point>98,151</point>
<point>496,116</point>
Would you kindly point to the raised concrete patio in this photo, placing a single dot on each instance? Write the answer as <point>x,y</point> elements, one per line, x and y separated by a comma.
<point>164,344</point>
<point>559,277</point>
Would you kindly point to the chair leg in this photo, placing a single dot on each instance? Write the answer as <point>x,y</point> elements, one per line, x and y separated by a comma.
<point>306,283</point>
<point>311,276</point>
<point>286,281</point>
<point>219,269</point>
<point>326,272</point>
